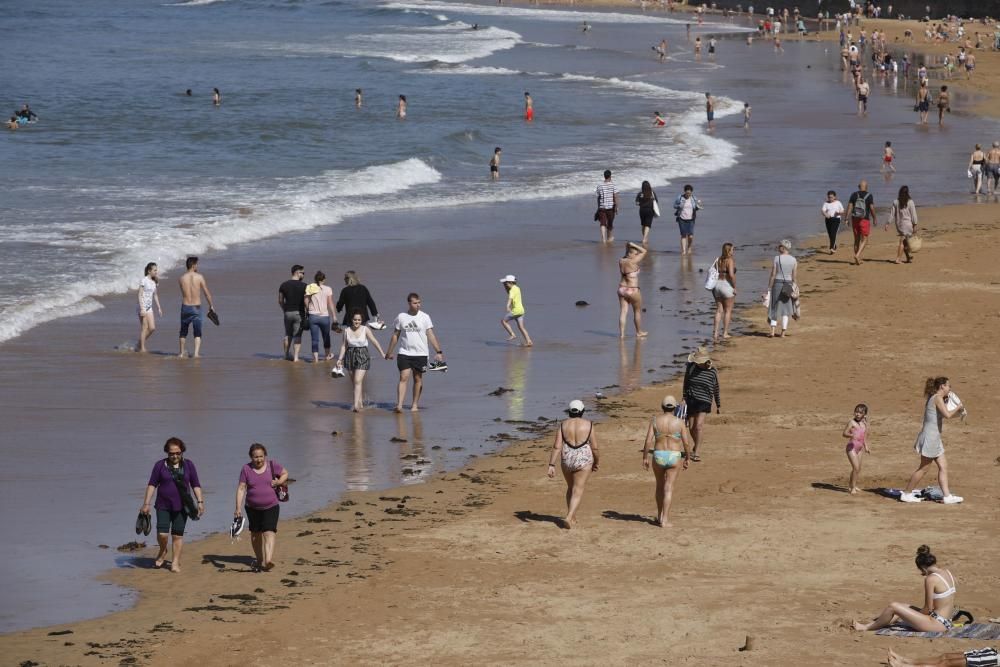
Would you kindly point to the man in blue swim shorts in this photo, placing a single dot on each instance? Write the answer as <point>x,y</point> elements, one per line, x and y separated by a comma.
<point>192,285</point>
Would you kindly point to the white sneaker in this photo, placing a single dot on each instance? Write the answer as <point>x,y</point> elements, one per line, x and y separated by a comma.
<point>952,499</point>
<point>909,498</point>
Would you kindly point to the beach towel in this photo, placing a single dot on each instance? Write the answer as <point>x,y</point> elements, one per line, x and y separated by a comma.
<point>970,631</point>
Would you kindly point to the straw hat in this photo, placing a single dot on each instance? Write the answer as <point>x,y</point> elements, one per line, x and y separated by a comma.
<point>699,356</point>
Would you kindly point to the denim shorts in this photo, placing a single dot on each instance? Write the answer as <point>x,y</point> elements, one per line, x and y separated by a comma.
<point>190,315</point>
<point>686,227</point>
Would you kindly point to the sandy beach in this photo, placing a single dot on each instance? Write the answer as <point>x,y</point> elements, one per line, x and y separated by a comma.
<point>768,551</point>
<point>473,567</point>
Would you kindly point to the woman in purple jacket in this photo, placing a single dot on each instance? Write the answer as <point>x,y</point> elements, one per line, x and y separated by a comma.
<point>259,480</point>
<point>173,480</point>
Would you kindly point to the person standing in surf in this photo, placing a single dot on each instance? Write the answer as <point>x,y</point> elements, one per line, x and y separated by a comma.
<point>147,297</point>
<point>495,165</point>
<point>412,330</point>
<point>216,97</point>
<point>607,207</point>
<point>529,107</point>
<point>292,301</point>
<point>192,286</point>
<point>515,310</point>
<point>401,108</point>
<point>357,97</point>
<point>710,110</point>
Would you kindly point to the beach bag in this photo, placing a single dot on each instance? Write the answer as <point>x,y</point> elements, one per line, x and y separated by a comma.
<point>713,276</point>
<point>786,291</point>
<point>914,243</point>
<point>656,207</point>
<point>281,490</point>
<point>187,502</point>
<point>860,209</point>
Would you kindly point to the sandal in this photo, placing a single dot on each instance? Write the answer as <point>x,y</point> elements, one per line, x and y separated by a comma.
<point>694,457</point>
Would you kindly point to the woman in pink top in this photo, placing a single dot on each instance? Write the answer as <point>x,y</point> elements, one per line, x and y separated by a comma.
<point>319,307</point>
<point>857,431</point>
<point>259,480</point>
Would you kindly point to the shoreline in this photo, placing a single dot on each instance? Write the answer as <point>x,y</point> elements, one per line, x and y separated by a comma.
<point>477,529</point>
<point>470,489</point>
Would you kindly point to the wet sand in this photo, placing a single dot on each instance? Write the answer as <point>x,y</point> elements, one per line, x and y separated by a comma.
<point>472,565</point>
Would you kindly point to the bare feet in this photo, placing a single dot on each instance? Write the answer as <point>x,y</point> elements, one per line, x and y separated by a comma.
<point>854,491</point>
<point>726,336</point>
<point>663,523</point>
<point>611,239</point>
<point>158,563</point>
<point>268,567</point>
<point>641,334</point>
<point>414,408</point>
<point>782,333</point>
<point>896,660</point>
<point>398,408</point>
<point>174,567</point>
<point>512,337</point>
<point>568,523</point>
<point>860,627</point>
<point>527,343</point>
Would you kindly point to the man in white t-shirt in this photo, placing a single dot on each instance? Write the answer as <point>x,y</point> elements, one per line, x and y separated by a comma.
<point>412,330</point>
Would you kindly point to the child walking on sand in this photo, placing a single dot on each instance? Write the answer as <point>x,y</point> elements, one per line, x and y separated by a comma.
<point>515,310</point>
<point>857,431</point>
<point>888,156</point>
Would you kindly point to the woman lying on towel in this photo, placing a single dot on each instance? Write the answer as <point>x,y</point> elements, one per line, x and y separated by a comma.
<point>939,601</point>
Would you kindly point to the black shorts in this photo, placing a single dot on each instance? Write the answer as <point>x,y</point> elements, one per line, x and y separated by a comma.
<point>263,521</point>
<point>696,406</point>
<point>169,521</point>
<point>493,167</point>
<point>606,216</point>
<point>415,364</point>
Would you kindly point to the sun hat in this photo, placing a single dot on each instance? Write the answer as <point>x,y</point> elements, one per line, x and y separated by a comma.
<point>699,356</point>
<point>576,406</point>
<point>669,401</point>
<point>509,278</point>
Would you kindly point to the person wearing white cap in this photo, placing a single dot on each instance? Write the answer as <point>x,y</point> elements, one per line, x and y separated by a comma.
<point>515,310</point>
<point>665,437</point>
<point>576,446</point>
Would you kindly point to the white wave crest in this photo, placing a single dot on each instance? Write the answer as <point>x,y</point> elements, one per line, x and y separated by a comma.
<point>562,15</point>
<point>294,205</point>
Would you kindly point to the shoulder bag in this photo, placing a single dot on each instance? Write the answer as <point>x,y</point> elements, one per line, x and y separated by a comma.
<point>282,489</point>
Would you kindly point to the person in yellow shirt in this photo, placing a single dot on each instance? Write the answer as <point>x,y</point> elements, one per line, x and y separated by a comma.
<point>515,310</point>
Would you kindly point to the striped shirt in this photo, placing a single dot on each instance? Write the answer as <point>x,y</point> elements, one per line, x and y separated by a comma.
<point>701,384</point>
<point>606,192</point>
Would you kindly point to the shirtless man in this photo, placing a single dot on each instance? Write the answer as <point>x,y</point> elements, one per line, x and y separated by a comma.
<point>357,97</point>
<point>192,285</point>
<point>710,110</point>
<point>993,167</point>
<point>943,103</point>
<point>697,48</point>
<point>529,107</point>
<point>863,90</point>
<point>970,64</point>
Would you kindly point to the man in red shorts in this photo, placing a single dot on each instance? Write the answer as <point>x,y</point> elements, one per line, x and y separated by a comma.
<point>862,207</point>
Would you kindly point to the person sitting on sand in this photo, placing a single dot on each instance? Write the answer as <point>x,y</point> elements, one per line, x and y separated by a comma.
<point>666,436</point>
<point>628,288</point>
<point>857,431</point>
<point>576,447</point>
<point>977,657</point>
<point>939,601</point>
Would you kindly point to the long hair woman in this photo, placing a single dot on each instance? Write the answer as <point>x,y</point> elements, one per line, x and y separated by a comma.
<point>645,200</point>
<point>724,292</point>
<point>929,444</point>
<point>148,297</point>
<point>904,215</point>
<point>628,289</point>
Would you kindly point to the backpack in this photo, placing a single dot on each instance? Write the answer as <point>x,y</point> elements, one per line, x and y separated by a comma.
<point>860,208</point>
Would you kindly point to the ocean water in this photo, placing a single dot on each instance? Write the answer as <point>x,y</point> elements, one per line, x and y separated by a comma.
<point>123,168</point>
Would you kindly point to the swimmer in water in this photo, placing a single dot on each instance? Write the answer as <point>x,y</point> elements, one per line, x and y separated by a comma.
<point>495,164</point>
<point>585,27</point>
<point>216,97</point>
<point>188,92</point>
<point>401,108</point>
<point>12,124</point>
<point>357,97</point>
<point>697,48</point>
<point>747,110</point>
<point>658,119</point>
<point>529,107</point>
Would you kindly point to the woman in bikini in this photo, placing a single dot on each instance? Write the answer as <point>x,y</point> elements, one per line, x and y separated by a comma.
<point>666,435</point>
<point>724,292</point>
<point>628,288</point>
<point>939,601</point>
<point>576,447</point>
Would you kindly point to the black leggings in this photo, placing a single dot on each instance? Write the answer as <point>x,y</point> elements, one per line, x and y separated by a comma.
<point>832,227</point>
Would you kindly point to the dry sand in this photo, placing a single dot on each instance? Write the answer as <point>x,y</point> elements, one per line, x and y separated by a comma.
<point>472,568</point>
